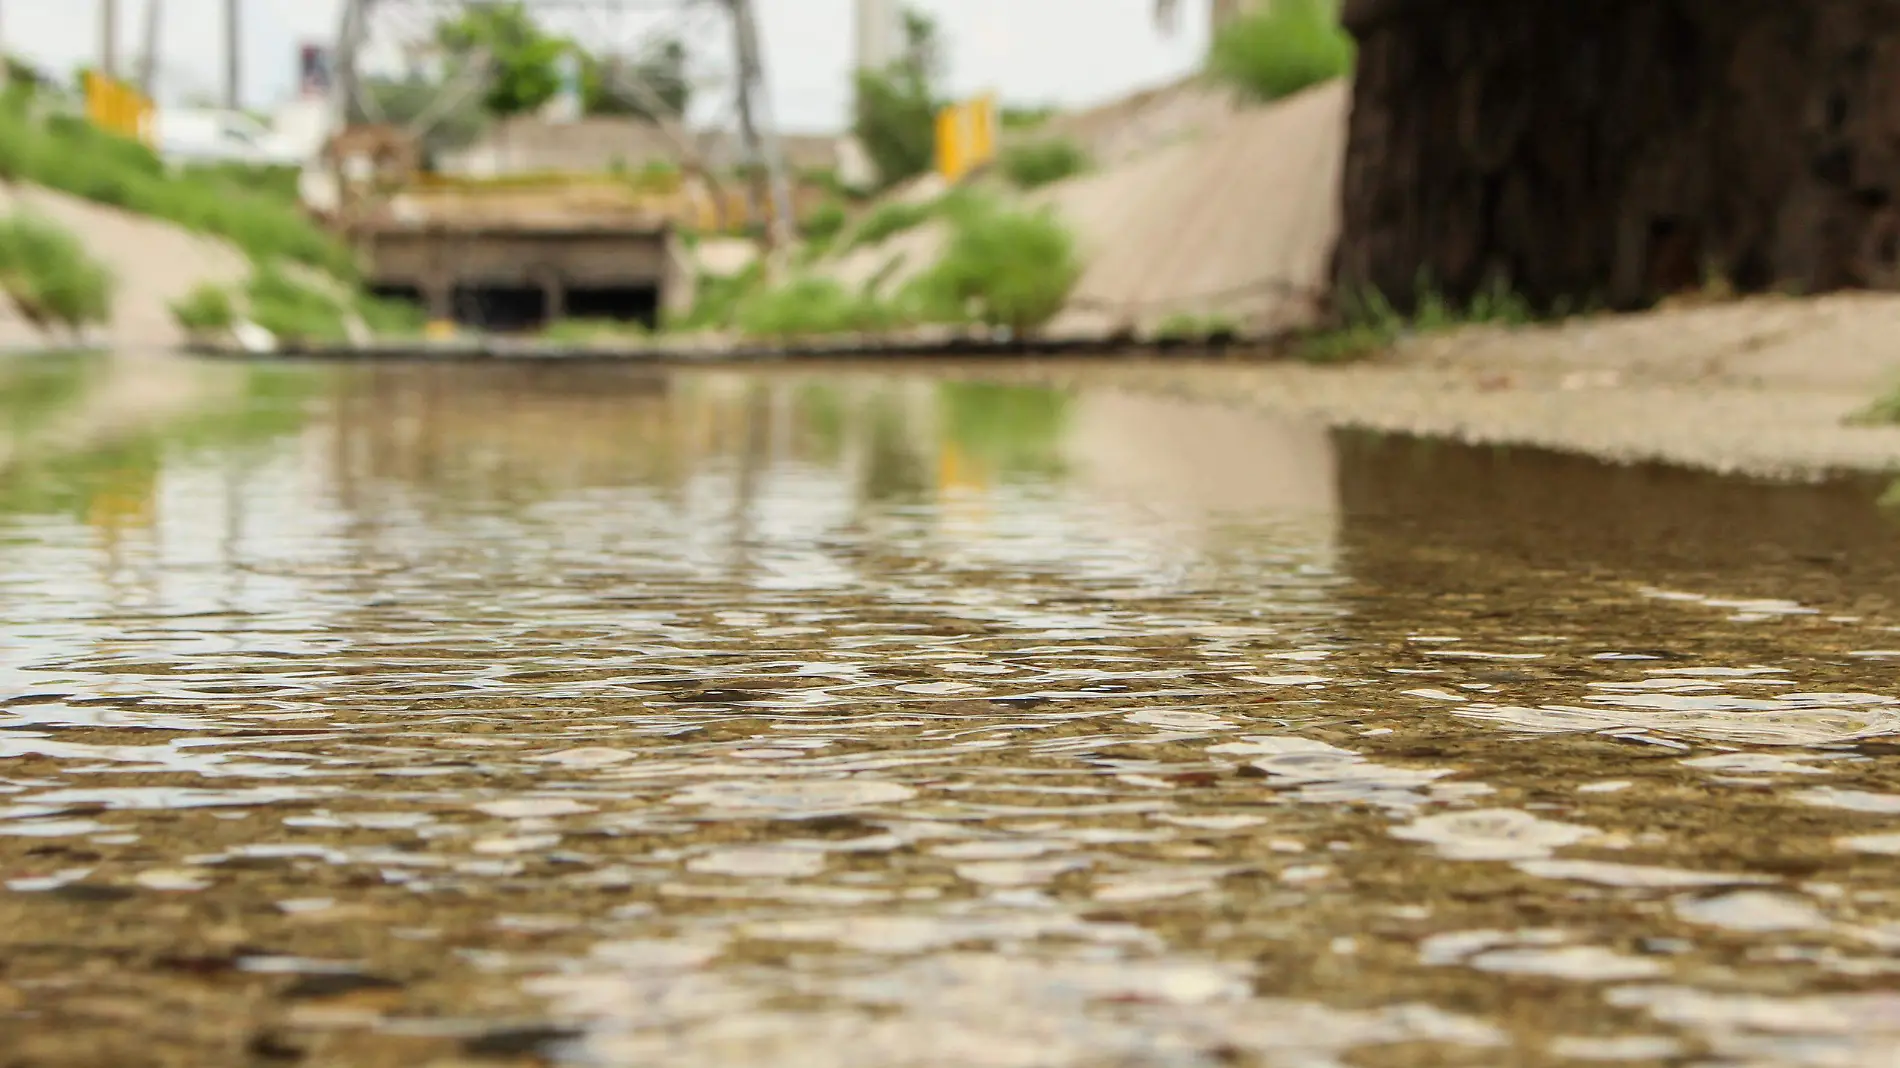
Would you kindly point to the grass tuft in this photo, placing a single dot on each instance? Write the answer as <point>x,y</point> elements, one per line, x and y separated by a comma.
<point>889,219</point>
<point>811,306</point>
<point>1369,324</point>
<point>1286,46</point>
<point>51,277</point>
<point>1040,163</point>
<point>1198,329</point>
<point>1883,411</point>
<point>1002,266</point>
<point>207,308</point>
<point>294,311</point>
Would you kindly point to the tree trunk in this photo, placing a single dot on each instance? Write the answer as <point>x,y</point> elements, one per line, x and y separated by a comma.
<point>1621,150</point>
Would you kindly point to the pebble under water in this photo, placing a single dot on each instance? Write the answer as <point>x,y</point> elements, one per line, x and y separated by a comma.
<point>463,715</point>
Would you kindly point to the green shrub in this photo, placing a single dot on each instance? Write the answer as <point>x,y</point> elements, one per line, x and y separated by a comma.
<point>206,308</point>
<point>1040,163</point>
<point>717,299</point>
<point>50,275</point>
<point>291,310</point>
<point>1023,117</point>
<point>806,306</point>
<point>279,182</point>
<point>1286,46</point>
<point>386,317</point>
<point>890,219</point>
<point>825,222</point>
<point>70,155</point>
<point>1004,266</point>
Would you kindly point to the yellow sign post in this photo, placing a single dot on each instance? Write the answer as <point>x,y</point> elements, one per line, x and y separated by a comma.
<point>118,108</point>
<point>966,137</point>
<point>951,162</point>
<point>980,118</point>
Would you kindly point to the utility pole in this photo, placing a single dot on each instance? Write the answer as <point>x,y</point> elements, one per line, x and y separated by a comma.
<point>109,38</point>
<point>761,144</point>
<point>879,36</point>
<point>349,38</point>
<point>233,54</point>
<point>148,73</point>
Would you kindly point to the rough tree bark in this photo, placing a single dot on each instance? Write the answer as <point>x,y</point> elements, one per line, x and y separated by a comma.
<point>1621,150</point>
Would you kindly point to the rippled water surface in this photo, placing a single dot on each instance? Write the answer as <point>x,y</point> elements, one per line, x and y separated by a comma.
<point>462,715</point>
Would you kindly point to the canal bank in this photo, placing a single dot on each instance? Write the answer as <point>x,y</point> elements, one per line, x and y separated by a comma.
<point>1760,386</point>
<point>1766,386</point>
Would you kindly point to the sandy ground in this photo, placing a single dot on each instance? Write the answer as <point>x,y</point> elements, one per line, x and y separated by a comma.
<point>1759,387</point>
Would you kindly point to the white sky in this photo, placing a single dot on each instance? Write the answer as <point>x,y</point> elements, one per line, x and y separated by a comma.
<point>1030,51</point>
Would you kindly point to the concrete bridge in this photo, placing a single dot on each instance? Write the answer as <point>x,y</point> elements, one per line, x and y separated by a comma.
<point>1621,150</point>
<point>521,273</point>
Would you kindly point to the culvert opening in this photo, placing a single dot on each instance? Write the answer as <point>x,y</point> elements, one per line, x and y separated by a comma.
<point>501,308</point>
<point>626,304</point>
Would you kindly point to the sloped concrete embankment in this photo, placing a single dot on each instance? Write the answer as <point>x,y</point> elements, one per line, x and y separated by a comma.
<point>153,265</point>
<point>1236,218</point>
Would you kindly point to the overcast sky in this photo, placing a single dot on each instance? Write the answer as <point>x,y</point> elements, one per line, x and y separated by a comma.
<point>1031,51</point>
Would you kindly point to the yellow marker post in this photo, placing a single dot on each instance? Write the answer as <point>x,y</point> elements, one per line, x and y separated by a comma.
<point>981,124</point>
<point>952,141</point>
<point>116,107</point>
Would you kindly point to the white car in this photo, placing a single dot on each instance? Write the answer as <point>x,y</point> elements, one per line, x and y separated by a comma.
<point>202,135</point>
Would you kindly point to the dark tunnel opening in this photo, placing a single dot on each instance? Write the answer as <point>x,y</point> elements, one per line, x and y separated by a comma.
<point>503,309</point>
<point>628,304</point>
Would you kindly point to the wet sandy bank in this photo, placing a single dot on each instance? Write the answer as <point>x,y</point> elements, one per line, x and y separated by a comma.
<point>1760,387</point>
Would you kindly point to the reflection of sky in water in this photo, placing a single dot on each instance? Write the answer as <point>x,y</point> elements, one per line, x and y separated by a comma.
<point>741,721</point>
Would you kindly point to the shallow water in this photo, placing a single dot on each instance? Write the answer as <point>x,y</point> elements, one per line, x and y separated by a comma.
<point>458,715</point>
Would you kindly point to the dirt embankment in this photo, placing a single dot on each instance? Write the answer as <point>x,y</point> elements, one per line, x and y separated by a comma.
<point>153,264</point>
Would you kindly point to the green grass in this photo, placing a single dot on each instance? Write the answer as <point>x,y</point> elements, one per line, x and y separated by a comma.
<point>70,155</point>
<point>390,318</point>
<point>1025,117</point>
<point>277,182</point>
<point>51,277</point>
<point>1002,266</point>
<point>825,221</point>
<point>1040,163</point>
<point>717,298</point>
<point>1186,326</point>
<point>811,306</point>
<point>206,309</point>
<point>294,311</point>
<point>1369,324</point>
<point>1883,411</point>
<point>889,219</point>
<point>1287,46</point>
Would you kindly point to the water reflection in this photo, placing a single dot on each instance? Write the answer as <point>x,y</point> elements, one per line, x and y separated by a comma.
<point>446,714</point>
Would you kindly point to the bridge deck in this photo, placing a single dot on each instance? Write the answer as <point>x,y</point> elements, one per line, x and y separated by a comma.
<point>524,269</point>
